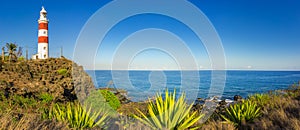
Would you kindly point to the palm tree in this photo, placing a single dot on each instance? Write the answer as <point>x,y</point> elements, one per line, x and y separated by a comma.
<point>12,48</point>
<point>3,54</point>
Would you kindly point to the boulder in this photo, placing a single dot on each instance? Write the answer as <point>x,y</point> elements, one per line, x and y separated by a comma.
<point>237,98</point>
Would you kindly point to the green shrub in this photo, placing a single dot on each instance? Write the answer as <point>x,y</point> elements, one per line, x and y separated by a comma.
<point>97,101</point>
<point>24,102</point>
<point>3,103</point>
<point>292,94</point>
<point>46,97</point>
<point>21,58</point>
<point>295,86</point>
<point>260,99</point>
<point>245,111</point>
<point>62,71</point>
<point>78,116</point>
<point>111,98</point>
<point>168,113</point>
<point>2,96</point>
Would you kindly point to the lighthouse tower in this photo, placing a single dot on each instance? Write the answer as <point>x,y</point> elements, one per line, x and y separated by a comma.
<point>43,43</point>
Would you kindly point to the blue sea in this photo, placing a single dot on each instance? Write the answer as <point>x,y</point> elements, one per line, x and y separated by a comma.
<point>142,85</point>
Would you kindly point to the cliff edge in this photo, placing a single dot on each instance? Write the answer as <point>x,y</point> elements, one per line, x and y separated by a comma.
<point>60,77</point>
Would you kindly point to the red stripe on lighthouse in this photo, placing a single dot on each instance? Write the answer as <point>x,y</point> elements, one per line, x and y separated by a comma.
<point>43,26</point>
<point>43,39</point>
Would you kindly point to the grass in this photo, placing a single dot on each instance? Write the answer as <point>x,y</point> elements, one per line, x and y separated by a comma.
<point>62,71</point>
<point>218,125</point>
<point>18,112</point>
<point>277,110</point>
<point>130,109</point>
<point>260,99</point>
<point>29,121</point>
<point>281,112</point>
<point>129,123</point>
<point>46,97</point>
<point>20,104</point>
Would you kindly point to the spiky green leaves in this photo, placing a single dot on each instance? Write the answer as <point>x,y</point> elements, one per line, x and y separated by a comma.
<point>168,113</point>
<point>245,111</point>
<point>78,116</point>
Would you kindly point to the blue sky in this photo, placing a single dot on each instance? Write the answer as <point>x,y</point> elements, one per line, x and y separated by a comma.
<point>256,34</point>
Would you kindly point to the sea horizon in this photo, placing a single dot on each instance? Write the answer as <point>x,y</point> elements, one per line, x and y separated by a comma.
<point>237,82</point>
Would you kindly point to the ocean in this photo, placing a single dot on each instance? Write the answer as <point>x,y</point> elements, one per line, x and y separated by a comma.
<point>142,85</point>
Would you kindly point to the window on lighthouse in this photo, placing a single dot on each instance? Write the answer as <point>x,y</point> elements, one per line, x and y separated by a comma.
<point>44,48</point>
<point>44,56</point>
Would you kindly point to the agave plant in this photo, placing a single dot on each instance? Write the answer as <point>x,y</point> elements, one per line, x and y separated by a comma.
<point>245,111</point>
<point>168,113</point>
<point>78,116</point>
<point>251,110</point>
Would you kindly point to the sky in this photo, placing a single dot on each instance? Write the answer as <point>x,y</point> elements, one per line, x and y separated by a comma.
<point>255,34</point>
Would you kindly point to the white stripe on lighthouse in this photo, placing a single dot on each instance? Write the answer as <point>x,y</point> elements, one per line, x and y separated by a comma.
<point>43,32</point>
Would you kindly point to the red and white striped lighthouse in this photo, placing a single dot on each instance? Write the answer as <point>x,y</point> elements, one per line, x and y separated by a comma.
<point>43,43</point>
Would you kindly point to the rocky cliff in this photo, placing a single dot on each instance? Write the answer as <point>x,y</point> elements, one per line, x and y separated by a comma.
<point>62,78</point>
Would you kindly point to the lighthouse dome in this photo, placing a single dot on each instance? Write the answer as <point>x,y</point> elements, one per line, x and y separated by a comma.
<point>43,10</point>
<point>43,15</point>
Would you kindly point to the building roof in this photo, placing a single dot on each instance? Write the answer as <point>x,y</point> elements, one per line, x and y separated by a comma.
<point>43,10</point>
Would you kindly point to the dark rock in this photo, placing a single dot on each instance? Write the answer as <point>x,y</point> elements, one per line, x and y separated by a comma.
<point>199,99</point>
<point>197,107</point>
<point>11,84</point>
<point>237,98</point>
<point>223,103</point>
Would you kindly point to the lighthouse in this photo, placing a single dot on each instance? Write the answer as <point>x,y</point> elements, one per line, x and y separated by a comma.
<point>43,43</point>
